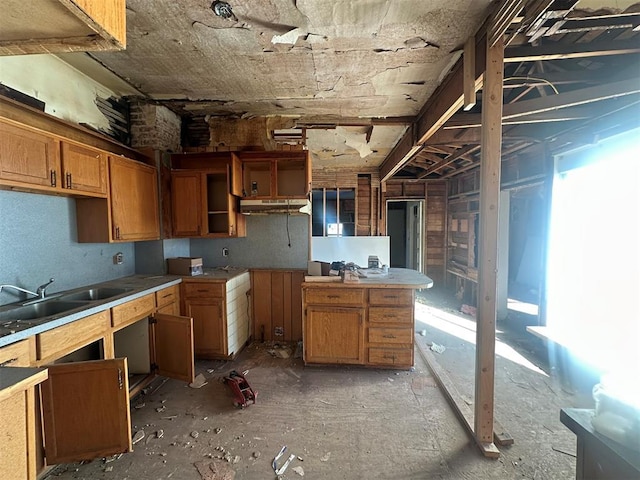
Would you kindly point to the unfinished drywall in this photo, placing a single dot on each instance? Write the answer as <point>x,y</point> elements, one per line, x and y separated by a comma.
<point>39,241</point>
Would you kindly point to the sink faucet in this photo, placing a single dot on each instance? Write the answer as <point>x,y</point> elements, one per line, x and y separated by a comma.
<point>40,292</point>
<point>41,289</point>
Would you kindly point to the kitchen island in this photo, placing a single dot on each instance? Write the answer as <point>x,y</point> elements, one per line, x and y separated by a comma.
<point>367,321</point>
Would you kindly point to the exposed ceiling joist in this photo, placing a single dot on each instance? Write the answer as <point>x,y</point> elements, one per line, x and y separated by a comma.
<point>452,157</point>
<point>572,98</point>
<point>560,51</point>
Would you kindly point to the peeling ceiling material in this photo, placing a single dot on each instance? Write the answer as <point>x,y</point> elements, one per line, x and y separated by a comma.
<point>360,58</point>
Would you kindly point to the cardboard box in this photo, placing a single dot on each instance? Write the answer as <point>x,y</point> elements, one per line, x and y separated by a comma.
<point>315,268</point>
<point>185,266</point>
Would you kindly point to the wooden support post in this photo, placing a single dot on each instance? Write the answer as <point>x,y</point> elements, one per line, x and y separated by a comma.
<point>469,73</point>
<point>488,242</point>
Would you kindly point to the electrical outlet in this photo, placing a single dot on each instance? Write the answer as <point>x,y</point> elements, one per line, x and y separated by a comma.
<point>225,252</point>
<point>118,258</point>
<point>279,332</point>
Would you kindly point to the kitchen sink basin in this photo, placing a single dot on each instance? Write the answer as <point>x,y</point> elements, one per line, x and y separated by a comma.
<point>93,294</point>
<point>39,310</point>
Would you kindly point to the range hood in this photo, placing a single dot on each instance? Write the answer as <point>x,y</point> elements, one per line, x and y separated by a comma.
<point>293,206</point>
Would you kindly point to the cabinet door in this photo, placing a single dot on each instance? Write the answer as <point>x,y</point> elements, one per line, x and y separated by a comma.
<point>134,200</point>
<point>84,169</point>
<point>186,203</point>
<point>334,335</point>
<point>28,157</point>
<point>209,332</point>
<point>173,346</point>
<point>86,410</point>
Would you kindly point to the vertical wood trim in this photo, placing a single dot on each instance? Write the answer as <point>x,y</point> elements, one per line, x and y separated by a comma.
<point>488,251</point>
<point>286,306</point>
<point>277,304</point>
<point>469,73</point>
<point>32,467</point>
<point>261,295</point>
<point>297,278</point>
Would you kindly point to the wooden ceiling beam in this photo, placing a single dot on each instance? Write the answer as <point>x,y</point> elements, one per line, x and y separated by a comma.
<point>460,153</point>
<point>572,98</point>
<point>561,51</point>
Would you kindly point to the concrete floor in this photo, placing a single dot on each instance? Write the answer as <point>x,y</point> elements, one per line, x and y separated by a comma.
<point>344,423</point>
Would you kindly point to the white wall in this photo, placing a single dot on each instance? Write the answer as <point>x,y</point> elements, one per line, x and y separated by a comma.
<point>67,93</point>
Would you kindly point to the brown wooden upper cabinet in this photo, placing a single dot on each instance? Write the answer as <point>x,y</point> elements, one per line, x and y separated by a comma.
<point>58,26</point>
<point>276,175</point>
<point>204,196</point>
<point>35,160</point>
<point>131,211</point>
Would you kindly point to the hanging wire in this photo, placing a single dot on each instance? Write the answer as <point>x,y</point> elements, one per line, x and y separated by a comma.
<point>544,80</point>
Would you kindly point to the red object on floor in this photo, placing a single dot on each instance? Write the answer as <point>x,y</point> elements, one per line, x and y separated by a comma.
<point>242,391</point>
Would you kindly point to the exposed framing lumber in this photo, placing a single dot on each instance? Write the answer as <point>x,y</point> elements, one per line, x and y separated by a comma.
<point>572,98</point>
<point>445,101</point>
<point>559,51</point>
<point>490,166</point>
<point>502,19</point>
<point>469,74</point>
<point>449,159</point>
<point>459,406</point>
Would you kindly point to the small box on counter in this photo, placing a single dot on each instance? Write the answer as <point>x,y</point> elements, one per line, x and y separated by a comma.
<point>315,268</point>
<point>185,266</point>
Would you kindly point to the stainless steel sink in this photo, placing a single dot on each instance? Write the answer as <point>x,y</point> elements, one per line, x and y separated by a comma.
<point>39,310</point>
<point>93,294</point>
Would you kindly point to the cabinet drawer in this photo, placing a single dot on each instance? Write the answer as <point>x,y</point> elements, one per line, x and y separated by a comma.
<point>335,296</point>
<point>391,356</point>
<point>203,290</point>
<point>391,315</point>
<point>391,335</point>
<point>167,296</point>
<point>133,311</point>
<point>67,338</point>
<point>391,296</point>
<point>17,354</point>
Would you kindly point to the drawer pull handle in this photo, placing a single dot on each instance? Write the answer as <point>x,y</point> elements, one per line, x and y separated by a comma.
<point>53,178</point>
<point>120,383</point>
<point>202,291</point>
<point>69,184</point>
<point>391,357</point>
<point>389,336</point>
<point>166,295</point>
<point>333,296</point>
<point>390,296</point>
<point>388,315</point>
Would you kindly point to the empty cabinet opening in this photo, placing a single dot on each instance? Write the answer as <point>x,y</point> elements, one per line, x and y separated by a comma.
<point>133,342</point>
<point>217,214</point>
<point>93,351</point>
<point>291,178</point>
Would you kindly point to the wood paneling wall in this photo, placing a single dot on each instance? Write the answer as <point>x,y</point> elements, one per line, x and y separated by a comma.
<point>434,193</point>
<point>277,302</point>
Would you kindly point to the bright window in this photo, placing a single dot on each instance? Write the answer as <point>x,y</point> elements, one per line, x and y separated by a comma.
<point>593,284</point>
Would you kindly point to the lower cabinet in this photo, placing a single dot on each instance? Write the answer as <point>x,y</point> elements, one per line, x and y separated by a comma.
<point>358,326</point>
<point>96,364</point>
<point>220,315</point>
<point>334,335</point>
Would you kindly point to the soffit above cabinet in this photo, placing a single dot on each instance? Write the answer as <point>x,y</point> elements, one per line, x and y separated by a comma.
<point>57,26</point>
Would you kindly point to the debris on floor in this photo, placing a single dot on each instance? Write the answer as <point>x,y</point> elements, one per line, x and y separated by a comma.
<point>279,350</point>
<point>468,309</point>
<point>199,382</point>
<point>139,435</point>
<point>299,471</point>
<point>437,348</point>
<point>215,470</point>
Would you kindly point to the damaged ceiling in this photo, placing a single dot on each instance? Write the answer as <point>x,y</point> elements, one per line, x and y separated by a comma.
<point>318,62</point>
<point>360,75</point>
